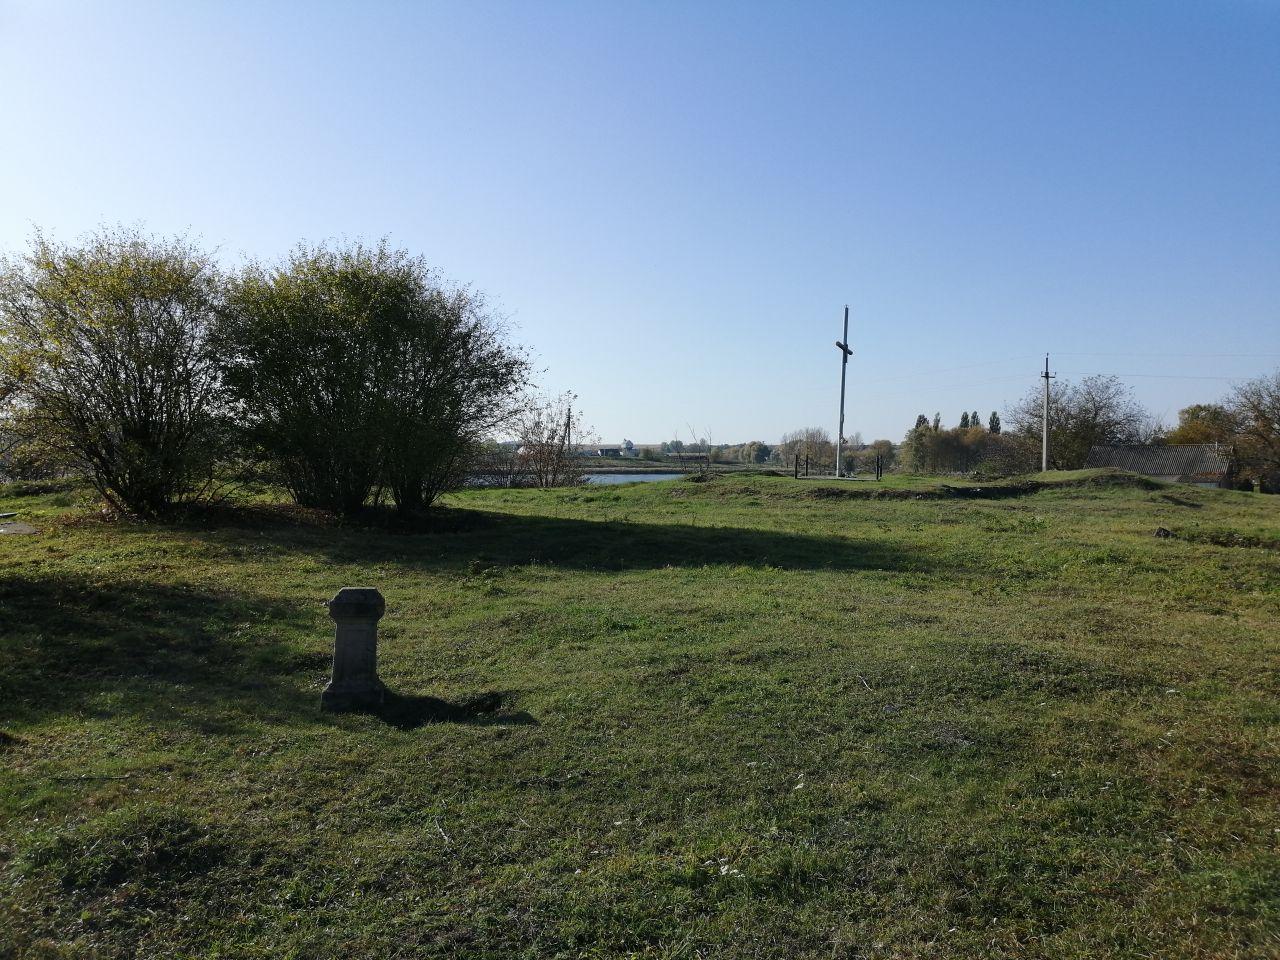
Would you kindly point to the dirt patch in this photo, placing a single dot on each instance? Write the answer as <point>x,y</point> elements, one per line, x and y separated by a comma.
<point>1230,538</point>
<point>941,492</point>
<point>1179,501</point>
<point>980,491</point>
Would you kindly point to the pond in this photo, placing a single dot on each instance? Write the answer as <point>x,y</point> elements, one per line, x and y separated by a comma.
<point>631,477</point>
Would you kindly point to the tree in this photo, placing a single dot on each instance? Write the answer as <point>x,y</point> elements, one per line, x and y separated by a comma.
<point>974,419</point>
<point>921,422</point>
<point>993,424</point>
<point>811,442</point>
<point>1255,407</point>
<point>754,452</point>
<point>1204,423</point>
<point>864,459</point>
<point>453,379</point>
<point>964,420</point>
<point>106,359</point>
<point>1098,410</point>
<point>352,369</point>
<point>548,435</point>
<point>963,450</point>
<point>937,422</point>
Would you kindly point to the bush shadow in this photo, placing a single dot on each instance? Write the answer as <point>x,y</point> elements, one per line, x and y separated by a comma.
<point>166,651</point>
<point>181,658</point>
<point>457,539</point>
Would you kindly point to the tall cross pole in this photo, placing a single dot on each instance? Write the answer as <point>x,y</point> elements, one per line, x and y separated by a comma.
<point>845,353</point>
<point>1044,439</point>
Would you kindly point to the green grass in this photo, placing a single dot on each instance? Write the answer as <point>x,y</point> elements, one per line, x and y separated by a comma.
<point>746,717</point>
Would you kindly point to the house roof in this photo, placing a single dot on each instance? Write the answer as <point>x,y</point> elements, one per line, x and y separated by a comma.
<point>1186,461</point>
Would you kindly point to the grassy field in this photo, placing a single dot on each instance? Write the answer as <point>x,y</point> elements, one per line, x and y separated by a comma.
<point>747,717</point>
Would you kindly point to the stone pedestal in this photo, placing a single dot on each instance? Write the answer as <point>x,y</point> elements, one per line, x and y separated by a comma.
<point>355,684</point>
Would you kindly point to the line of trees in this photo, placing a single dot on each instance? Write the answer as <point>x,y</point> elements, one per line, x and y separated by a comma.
<point>1098,410</point>
<point>811,443</point>
<point>342,373</point>
<point>929,447</point>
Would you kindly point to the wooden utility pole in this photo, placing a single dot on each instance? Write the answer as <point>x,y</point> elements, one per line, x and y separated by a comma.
<point>1044,440</point>
<point>845,353</point>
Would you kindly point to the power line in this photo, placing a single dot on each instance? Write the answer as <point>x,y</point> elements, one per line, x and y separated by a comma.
<point>1242,356</point>
<point>966,366</point>
<point>1158,376</point>
<point>875,381</point>
<point>933,389</point>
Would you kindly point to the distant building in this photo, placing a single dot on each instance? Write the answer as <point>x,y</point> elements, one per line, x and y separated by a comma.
<point>627,449</point>
<point>1201,464</point>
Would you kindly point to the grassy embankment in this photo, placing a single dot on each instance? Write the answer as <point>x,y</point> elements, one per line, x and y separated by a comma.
<point>748,717</point>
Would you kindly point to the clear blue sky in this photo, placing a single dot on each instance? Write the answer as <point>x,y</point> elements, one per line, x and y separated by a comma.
<point>674,200</point>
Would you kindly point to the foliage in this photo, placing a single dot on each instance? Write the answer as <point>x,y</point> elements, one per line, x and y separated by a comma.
<point>993,424</point>
<point>106,363</point>
<point>354,368</point>
<point>751,452</point>
<point>1097,410</point>
<point>811,443</point>
<point>864,460</point>
<point>453,379</point>
<point>548,435</point>
<point>1204,423</point>
<point>25,456</point>
<point>961,450</point>
<point>1255,410</point>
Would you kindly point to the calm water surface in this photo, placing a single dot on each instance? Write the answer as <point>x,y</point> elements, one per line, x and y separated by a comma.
<point>630,477</point>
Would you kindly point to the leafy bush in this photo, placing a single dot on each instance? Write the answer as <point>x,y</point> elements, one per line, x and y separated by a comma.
<point>354,369</point>
<point>105,361</point>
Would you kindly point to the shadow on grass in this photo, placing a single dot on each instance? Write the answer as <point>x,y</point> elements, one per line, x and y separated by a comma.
<point>456,539</point>
<point>411,712</point>
<point>216,660</point>
<point>180,657</point>
<point>163,651</point>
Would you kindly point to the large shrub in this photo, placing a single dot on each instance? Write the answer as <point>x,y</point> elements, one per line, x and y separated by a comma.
<point>105,361</point>
<point>1097,410</point>
<point>354,369</point>
<point>1255,412</point>
<point>454,378</point>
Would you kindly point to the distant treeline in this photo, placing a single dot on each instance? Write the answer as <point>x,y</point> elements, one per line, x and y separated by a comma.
<point>1098,410</point>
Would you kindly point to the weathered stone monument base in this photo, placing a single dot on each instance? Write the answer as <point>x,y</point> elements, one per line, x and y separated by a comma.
<point>351,699</point>
<point>355,684</point>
